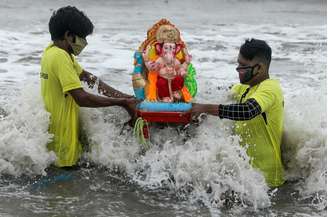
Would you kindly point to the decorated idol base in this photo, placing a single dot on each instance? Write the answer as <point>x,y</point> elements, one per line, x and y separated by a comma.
<point>164,107</point>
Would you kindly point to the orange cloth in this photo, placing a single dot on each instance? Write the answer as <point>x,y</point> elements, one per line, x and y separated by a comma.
<point>151,92</point>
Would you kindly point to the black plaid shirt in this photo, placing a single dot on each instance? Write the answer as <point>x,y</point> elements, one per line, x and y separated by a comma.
<point>241,111</point>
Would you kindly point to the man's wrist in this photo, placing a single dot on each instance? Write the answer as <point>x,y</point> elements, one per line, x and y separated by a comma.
<point>121,102</point>
<point>212,109</point>
<point>115,101</point>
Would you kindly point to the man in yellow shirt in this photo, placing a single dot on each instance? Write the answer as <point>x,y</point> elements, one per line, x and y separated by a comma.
<point>259,111</point>
<point>61,88</point>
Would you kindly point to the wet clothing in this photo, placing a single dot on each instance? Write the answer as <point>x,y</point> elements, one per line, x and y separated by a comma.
<point>60,74</point>
<point>259,123</point>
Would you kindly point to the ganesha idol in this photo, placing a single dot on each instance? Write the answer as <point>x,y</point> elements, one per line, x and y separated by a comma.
<point>163,71</point>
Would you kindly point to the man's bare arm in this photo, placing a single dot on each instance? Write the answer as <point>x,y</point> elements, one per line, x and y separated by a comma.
<point>103,88</point>
<point>85,99</point>
<point>110,91</point>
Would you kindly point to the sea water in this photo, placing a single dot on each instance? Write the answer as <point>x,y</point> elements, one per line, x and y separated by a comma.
<point>198,171</point>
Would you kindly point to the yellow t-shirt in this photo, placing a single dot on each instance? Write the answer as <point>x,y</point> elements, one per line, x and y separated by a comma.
<point>264,139</point>
<point>60,74</point>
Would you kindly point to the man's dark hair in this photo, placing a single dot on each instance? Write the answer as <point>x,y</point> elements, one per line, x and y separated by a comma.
<point>256,48</point>
<point>69,19</point>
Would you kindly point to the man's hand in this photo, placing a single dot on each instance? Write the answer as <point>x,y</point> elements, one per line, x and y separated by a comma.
<point>130,105</point>
<point>197,109</point>
<point>89,78</point>
<point>91,81</point>
<point>102,89</point>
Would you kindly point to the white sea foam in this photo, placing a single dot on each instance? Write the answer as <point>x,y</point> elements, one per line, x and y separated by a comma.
<point>211,158</point>
<point>305,143</point>
<point>24,135</point>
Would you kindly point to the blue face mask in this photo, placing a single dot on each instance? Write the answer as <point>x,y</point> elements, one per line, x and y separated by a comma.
<point>246,73</point>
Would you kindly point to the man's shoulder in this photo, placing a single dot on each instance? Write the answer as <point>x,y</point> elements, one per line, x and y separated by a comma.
<point>271,84</point>
<point>272,88</point>
<point>239,88</point>
<point>53,53</point>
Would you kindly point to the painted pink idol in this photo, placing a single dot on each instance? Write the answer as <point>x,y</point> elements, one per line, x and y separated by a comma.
<point>171,72</point>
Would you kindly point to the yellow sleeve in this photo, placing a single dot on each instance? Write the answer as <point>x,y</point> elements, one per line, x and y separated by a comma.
<point>265,96</point>
<point>67,74</point>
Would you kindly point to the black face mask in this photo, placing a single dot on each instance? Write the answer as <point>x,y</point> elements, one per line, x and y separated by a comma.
<point>246,73</point>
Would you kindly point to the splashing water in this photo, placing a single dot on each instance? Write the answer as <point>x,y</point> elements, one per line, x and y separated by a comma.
<point>24,133</point>
<point>185,169</point>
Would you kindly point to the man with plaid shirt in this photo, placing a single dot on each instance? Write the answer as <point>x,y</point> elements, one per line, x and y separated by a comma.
<point>259,111</point>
